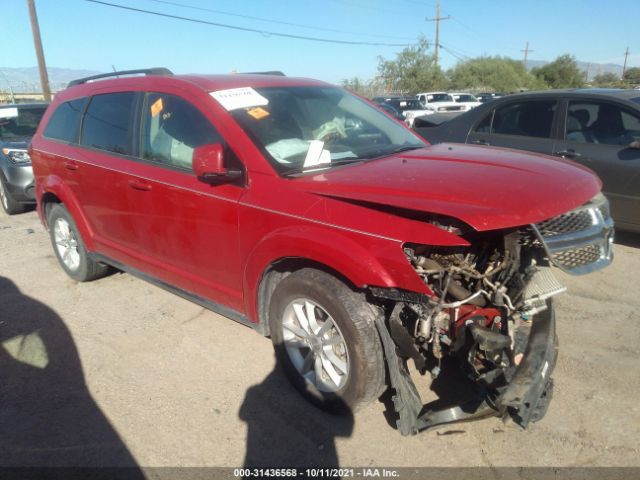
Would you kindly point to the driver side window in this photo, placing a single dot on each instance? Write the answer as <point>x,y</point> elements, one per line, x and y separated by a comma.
<point>172,128</point>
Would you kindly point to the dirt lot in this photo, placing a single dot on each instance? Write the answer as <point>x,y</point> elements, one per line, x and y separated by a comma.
<point>119,372</point>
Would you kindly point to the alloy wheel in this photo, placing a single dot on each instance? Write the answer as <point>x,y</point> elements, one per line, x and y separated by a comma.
<point>315,345</point>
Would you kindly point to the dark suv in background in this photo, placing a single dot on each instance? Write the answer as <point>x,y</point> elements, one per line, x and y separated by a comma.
<point>18,123</point>
<point>598,128</point>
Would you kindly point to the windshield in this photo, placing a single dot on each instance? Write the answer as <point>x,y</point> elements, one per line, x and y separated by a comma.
<point>306,128</point>
<point>16,122</point>
<point>465,98</point>
<point>408,104</point>
<point>439,97</point>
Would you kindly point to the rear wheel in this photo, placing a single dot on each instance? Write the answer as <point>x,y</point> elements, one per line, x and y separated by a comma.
<point>326,340</point>
<point>69,247</point>
<point>9,204</point>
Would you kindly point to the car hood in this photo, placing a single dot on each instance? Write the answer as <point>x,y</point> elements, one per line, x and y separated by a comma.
<point>21,143</point>
<point>487,188</point>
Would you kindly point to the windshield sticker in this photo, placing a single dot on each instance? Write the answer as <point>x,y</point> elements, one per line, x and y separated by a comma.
<point>258,113</point>
<point>8,112</point>
<point>316,155</point>
<point>235,98</point>
<point>156,107</point>
<point>403,104</point>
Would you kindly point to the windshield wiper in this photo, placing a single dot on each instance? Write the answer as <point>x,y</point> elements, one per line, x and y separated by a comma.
<point>321,166</point>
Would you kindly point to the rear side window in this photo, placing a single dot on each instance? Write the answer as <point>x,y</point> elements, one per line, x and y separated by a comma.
<point>601,122</point>
<point>172,129</point>
<point>529,119</point>
<point>108,122</point>
<point>64,124</point>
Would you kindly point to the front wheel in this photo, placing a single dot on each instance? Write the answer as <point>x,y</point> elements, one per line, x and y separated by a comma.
<point>69,247</point>
<point>9,204</point>
<point>325,339</point>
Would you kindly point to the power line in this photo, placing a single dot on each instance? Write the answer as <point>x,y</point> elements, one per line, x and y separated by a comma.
<point>245,29</point>
<point>268,20</point>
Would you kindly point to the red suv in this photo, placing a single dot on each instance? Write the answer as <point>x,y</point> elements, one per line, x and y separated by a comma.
<point>303,211</point>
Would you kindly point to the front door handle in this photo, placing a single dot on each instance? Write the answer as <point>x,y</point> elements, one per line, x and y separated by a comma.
<point>140,185</point>
<point>70,165</point>
<point>568,153</point>
<point>480,142</point>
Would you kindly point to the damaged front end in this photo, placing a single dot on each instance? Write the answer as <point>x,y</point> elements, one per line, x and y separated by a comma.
<point>490,315</point>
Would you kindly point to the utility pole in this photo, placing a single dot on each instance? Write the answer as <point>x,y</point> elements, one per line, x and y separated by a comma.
<point>526,54</point>
<point>624,68</point>
<point>44,78</point>
<point>437,20</point>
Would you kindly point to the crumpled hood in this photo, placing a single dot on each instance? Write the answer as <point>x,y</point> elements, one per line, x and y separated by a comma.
<point>485,187</point>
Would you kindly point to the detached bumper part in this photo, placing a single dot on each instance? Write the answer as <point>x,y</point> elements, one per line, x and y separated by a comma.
<point>525,398</point>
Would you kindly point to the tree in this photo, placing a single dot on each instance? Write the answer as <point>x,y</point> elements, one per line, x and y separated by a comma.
<point>413,70</point>
<point>605,80</point>
<point>563,72</point>
<point>492,73</point>
<point>632,75</point>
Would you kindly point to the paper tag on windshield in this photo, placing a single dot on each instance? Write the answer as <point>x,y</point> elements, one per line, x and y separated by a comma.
<point>235,98</point>
<point>316,154</point>
<point>8,112</point>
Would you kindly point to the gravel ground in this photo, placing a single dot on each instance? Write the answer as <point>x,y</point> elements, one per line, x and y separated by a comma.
<point>120,372</point>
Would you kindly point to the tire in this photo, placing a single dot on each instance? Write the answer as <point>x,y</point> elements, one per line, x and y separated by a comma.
<point>69,247</point>
<point>9,204</point>
<point>346,355</point>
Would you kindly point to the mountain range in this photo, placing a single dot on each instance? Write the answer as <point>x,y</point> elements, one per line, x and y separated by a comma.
<point>27,79</point>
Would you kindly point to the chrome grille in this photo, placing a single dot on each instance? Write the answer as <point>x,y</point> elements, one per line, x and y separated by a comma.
<point>579,241</point>
<point>567,223</point>
<point>577,257</point>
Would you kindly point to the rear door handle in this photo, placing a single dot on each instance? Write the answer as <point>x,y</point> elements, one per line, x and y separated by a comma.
<point>480,142</point>
<point>70,165</point>
<point>140,185</point>
<point>568,153</point>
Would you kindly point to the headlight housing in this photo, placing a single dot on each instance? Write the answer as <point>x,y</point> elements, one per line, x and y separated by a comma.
<point>17,156</point>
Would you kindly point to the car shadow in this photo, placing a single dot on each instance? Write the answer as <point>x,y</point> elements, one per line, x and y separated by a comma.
<point>47,415</point>
<point>284,430</point>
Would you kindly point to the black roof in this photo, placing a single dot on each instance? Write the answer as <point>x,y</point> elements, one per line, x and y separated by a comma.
<point>619,93</point>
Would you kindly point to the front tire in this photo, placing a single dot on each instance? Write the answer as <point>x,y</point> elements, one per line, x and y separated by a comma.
<point>9,204</point>
<point>69,247</point>
<point>325,339</point>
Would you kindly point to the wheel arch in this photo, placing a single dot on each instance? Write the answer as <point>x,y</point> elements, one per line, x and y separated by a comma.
<point>55,191</point>
<point>292,249</point>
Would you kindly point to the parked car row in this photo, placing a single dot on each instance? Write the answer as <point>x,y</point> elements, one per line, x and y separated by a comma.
<point>427,103</point>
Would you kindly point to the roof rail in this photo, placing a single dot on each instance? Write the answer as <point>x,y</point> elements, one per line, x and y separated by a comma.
<point>270,72</point>
<point>146,71</point>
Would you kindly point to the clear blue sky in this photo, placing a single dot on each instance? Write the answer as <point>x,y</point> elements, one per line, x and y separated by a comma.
<point>83,35</point>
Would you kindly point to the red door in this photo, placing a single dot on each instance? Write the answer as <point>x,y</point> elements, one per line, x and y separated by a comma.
<point>187,230</point>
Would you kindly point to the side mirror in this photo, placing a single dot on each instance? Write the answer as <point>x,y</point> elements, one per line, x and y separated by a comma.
<point>208,165</point>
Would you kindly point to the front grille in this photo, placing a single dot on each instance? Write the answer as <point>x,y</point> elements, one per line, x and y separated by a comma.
<point>579,241</point>
<point>569,222</point>
<point>578,257</point>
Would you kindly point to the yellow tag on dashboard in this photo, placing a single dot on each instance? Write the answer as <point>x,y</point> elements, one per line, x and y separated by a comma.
<point>258,113</point>
<point>156,107</point>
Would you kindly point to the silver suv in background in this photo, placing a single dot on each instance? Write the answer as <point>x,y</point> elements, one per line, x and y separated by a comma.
<point>18,123</point>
